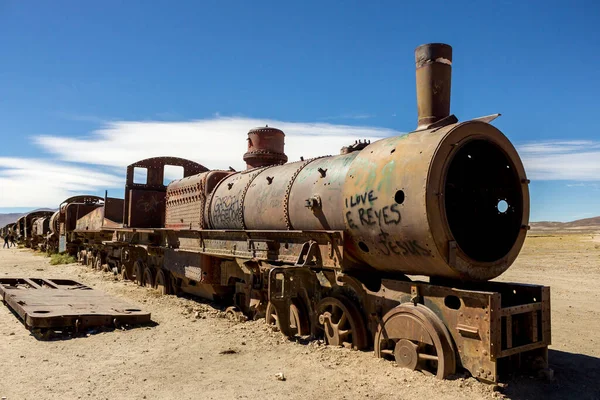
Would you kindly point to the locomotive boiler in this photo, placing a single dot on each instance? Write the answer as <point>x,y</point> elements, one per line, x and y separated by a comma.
<point>390,245</point>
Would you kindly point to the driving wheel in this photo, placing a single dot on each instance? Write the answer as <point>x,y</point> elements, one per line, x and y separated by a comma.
<point>342,323</point>
<point>416,339</point>
<point>298,319</point>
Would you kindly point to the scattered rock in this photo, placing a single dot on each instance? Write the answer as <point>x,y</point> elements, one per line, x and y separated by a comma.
<point>228,351</point>
<point>280,376</point>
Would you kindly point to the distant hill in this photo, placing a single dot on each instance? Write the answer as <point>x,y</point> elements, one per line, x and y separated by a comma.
<point>586,224</point>
<point>9,218</point>
<point>6,219</point>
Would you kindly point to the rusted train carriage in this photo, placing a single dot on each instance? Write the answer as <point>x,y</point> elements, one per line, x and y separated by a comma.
<point>390,245</point>
<point>27,229</point>
<point>64,222</point>
<point>124,234</point>
<point>8,229</point>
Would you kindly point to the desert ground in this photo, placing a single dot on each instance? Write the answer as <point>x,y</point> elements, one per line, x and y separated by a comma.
<point>192,352</point>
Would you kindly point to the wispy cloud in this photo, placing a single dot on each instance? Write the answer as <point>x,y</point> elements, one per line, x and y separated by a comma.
<point>350,116</point>
<point>588,185</point>
<point>576,160</point>
<point>216,143</point>
<point>38,183</point>
<point>96,161</point>
<point>80,117</point>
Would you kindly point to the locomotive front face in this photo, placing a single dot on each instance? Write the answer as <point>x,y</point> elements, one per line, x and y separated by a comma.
<point>449,202</point>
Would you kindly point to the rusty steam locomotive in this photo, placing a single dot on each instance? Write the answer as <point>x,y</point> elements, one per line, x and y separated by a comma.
<point>390,245</point>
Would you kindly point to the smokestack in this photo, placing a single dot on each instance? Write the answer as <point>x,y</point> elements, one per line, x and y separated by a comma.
<point>434,75</point>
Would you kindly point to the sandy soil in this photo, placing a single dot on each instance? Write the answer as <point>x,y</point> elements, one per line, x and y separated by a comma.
<point>180,357</point>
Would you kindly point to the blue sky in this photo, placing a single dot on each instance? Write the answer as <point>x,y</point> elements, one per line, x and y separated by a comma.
<point>97,76</point>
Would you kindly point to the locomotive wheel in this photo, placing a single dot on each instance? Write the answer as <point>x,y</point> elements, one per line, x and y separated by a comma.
<point>298,320</point>
<point>416,339</point>
<point>139,273</point>
<point>148,278</point>
<point>161,283</point>
<point>342,323</point>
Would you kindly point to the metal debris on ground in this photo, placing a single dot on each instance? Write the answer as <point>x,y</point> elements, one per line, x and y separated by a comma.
<point>62,304</point>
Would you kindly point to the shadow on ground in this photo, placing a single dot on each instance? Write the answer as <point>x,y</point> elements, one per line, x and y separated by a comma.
<point>576,376</point>
<point>53,334</point>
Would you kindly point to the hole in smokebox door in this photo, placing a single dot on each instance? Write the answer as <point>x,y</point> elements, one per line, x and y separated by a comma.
<point>502,206</point>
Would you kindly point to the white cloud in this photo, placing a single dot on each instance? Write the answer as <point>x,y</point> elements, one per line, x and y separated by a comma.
<point>96,162</point>
<point>216,143</point>
<point>40,183</point>
<point>577,160</point>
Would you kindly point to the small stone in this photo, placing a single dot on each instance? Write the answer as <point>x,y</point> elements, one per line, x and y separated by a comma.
<point>280,376</point>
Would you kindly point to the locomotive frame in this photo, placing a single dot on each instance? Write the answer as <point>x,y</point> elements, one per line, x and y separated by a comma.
<point>293,250</point>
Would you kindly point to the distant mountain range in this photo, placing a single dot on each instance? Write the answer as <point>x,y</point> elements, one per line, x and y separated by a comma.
<point>6,219</point>
<point>586,224</point>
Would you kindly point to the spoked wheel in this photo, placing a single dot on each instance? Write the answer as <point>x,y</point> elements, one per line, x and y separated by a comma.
<point>298,319</point>
<point>416,339</point>
<point>161,283</point>
<point>148,278</point>
<point>342,323</point>
<point>139,273</point>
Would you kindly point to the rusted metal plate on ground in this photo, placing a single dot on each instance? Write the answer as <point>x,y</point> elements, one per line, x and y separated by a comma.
<point>64,303</point>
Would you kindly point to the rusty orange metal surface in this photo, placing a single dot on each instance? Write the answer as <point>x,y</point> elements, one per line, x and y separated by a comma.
<point>336,246</point>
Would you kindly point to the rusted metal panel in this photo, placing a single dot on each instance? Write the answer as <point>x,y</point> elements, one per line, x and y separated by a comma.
<point>266,202</point>
<point>74,211</point>
<point>60,303</point>
<point>198,267</point>
<point>273,246</point>
<point>54,222</point>
<point>113,211</point>
<point>146,200</point>
<point>29,222</point>
<point>108,216</point>
<point>92,222</point>
<point>479,320</point>
<point>316,195</point>
<point>146,208</point>
<point>186,199</point>
<point>41,226</point>
<point>226,205</point>
<point>403,208</point>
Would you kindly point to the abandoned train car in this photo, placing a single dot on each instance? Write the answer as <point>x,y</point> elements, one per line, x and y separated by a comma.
<point>336,246</point>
